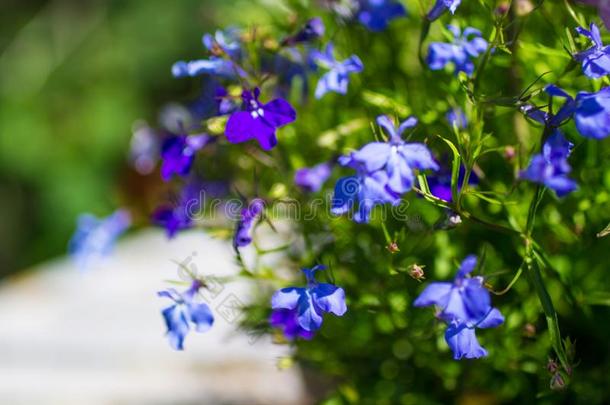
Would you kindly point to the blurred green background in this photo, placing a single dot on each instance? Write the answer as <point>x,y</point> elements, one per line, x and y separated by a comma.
<point>74,76</point>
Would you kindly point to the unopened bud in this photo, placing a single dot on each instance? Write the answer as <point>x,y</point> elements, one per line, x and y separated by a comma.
<point>529,330</point>
<point>557,382</point>
<point>552,366</point>
<point>417,272</point>
<point>509,153</point>
<point>393,247</point>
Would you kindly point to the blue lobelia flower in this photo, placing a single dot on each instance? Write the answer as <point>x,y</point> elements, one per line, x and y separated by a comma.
<point>456,116</point>
<point>465,305</point>
<point>248,216</point>
<point>603,7</point>
<point>461,337</point>
<point>465,47</point>
<point>185,313</point>
<point>311,179</point>
<point>337,77</point>
<point>377,14</point>
<point>224,42</point>
<point>396,157</point>
<point>178,154</point>
<point>259,121</point>
<point>441,6</point>
<point>287,320</point>
<point>595,60</point>
<point>311,302</point>
<point>591,111</point>
<point>440,183</point>
<point>551,167</point>
<point>313,29</point>
<point>178,216</point>
<point>94,238</point>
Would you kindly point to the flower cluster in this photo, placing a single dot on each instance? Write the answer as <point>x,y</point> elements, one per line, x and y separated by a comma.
<point>460,52</point>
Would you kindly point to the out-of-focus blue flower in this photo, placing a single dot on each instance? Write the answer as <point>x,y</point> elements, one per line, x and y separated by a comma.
<point>185,313</point>
<point>259,121</point>
<point>441,6</point>
<point>311,302</point>
<point>313,29</point>
<point>440,182</point>
<point>551,167</point>
<point>377,14</point>
<point>144,148</point>
<point>337,77</point>
<point>465,305</point>
<point>94,238</point>
<point>291,64</point>
<point>178,154</point>
<point>179,215</point>
<point>595,60</point>
<point>396,157</point>
<point>465,47</point>
<point>227,41</point>
<point>456,116</point>
<point>462,340</point>
<point>603,7</point>
<point>311,179</point>
<point>248,216</point>
<point>287,320</point>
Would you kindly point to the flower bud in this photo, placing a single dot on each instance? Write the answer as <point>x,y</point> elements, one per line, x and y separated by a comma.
<point>417,272</point>
<point>557,382</point>
<point>552,366</point>
<point>393,247</point>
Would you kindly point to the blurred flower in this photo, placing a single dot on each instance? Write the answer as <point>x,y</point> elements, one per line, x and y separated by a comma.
<point>313,29</point>
<point>557,382</point>
<point>183,313</point>
<point>311,179</point>
<point>441,6</point>
<point>94,238</point>
<point>377,14</point>
<point>440,183</point>
<point>243,232</point>
<point>311,302</point>
<point>227,41</point>
<point>337,77</point>
<point>258,121</point>
<point>178,154</point>
<point>461,337</point>
<point>287,320</point>
<point>456,116</point>
<point>603,7</point>
<point>464,47</point>
<point>551,167</point>
<point>179,216</point>
<point>595,60</point>
<point>466,299</point>
<point>592,113</point>
<point>144,148</point>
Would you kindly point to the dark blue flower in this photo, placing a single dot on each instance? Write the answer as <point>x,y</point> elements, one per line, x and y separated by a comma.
<point>287,320</point>
<point>465,47</point>
<point>337,77</point>
<point>178,154</point>
<point>248,216</point>
<point>441,6</point>
<point>311,179</point>
<point>185,313</point>
<point>94,238</point>
<point>551,167</point>
<point>456,116</point>
<point>259,121</point>
<point>179,215</point>
<point>595,60</point>
<point>311,302</point>
<point>440,183</point>
<point>462,340</point>
<point>377,14</point>
<point>313,29</point>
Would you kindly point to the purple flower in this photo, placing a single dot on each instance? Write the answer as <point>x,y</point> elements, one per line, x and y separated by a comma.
<point>440,183</point>
<point>367,190</point>
<point>396,157</point>
<point>551,167</point>
<point>603,7</point>
<point>313,29</point>
<point>249,215</point>
<point>259,121</point>
<point>178,216</point>
<point>595,60</point>
<point>460,52</point>
<point>94,238</point>
<point>227,41</point>
<point>287,320</point>
<point>465,305</point>
<point>311,179</point>
<point>311,302</point>
<point>441,6</point>
<point>337,77</point>
<point>178,154</point>
<point>185,313</point>
<point>456,117</point>
<point>462,340</point>
<point>377,14</point>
